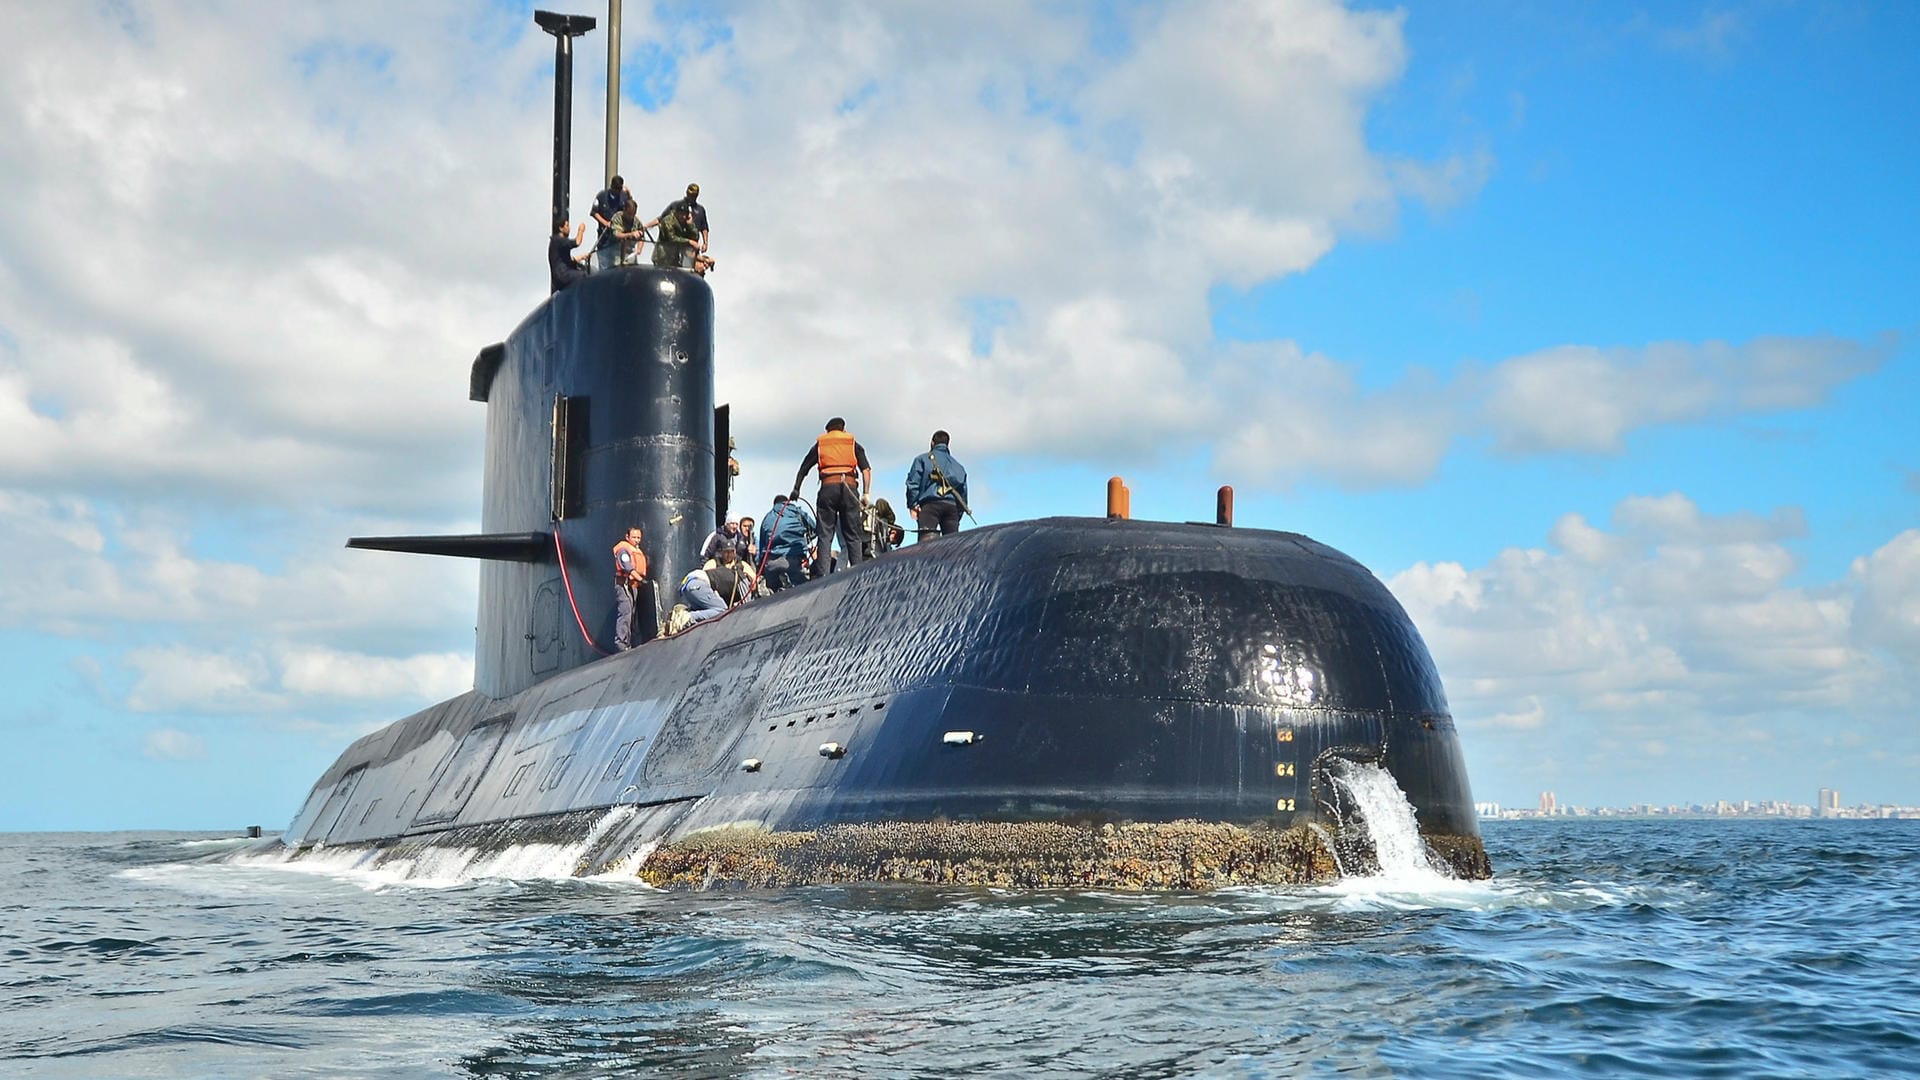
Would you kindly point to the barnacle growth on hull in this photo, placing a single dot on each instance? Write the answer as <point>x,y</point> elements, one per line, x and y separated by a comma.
<point>1170,855</point>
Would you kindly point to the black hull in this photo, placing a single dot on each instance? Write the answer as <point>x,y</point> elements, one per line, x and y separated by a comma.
<point>1110,672</point>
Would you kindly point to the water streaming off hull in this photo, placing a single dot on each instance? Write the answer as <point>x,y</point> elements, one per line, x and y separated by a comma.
<point>1376,834</point>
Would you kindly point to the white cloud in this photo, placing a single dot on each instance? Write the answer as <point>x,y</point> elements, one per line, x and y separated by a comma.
<point>1285,416</point>
<point>77,571</point>
<point>1716,35</point>
<point>168,744</point>
<point>332,673</point>
<point>266,314</point>
<point>1445,184</point>
<point>1529,713</point>
<point>1278,415</point>
<point>290,679</point>
<point>1586,399</point>
<point>1672,620</point>
<point>1888,613</point>
<point>176,679</point>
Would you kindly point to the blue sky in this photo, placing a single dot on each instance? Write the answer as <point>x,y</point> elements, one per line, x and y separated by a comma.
<point>1589,328</point>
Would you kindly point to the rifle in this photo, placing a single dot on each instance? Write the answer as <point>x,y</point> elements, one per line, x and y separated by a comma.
<point>940,486</point>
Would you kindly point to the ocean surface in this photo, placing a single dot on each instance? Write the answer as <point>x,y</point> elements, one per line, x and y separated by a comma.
<point>1734,948</point>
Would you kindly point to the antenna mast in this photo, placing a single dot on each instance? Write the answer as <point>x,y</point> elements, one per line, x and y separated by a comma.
<point>564,29</point>
<point>613,90</point>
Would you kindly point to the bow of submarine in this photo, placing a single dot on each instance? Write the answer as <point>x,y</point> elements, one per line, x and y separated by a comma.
<point>1093,673</point>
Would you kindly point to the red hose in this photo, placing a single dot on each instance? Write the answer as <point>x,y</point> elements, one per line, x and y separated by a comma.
<point>767,549</point>
<point>561,550</point>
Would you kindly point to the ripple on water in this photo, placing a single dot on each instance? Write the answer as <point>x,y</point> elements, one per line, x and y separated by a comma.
<point>1607,948</point>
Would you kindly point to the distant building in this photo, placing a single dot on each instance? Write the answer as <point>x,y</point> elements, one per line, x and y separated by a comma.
<point>1829,804</point>
<point>1548,804</point>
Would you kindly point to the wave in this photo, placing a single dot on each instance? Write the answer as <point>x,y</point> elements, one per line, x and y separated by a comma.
<point>452,867</point>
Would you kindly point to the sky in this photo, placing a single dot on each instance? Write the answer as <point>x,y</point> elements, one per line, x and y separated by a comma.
<point>1589,328</point>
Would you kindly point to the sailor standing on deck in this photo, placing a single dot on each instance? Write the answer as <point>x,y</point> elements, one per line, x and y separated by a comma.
<point>936,490</point>
<point>606,208</point>
<point>629,578</point>
<point>843,473</point>
<point>698,213</point>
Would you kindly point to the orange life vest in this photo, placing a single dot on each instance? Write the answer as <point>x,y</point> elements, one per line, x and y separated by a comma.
<point>838,462</point>
<point>620,572</point>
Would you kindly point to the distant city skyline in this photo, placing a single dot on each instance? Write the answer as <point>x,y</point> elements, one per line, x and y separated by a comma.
<point>1826,805</point>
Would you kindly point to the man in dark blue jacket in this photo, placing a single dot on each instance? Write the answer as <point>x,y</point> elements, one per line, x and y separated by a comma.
<point>606,208</point>
<point>783,537</point>
<point>937,490</point>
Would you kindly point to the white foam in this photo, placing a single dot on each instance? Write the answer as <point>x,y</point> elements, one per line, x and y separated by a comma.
<point>1390,894</point>
<point>449,867</point>
<point>1388,819</point>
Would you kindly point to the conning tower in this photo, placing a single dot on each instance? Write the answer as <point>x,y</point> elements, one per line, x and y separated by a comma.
<point>600,415</point>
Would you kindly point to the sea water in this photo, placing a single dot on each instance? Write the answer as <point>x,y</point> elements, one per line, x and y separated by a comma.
<point>1602,947</point>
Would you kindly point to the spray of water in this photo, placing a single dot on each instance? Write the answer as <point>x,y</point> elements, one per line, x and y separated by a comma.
<point>1377,835</point>
<point>441,867</point>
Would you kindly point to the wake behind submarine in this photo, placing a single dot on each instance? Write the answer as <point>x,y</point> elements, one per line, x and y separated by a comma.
<point>1081,702</point>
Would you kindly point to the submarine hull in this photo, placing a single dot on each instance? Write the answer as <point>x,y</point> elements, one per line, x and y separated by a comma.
<point>1066,701</point>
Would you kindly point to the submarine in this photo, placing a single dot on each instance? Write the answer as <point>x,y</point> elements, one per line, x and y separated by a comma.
<point>1066,702</point>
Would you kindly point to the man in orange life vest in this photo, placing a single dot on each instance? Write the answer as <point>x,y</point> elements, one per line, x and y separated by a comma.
<point>843,473</point>
<point>629,578</point>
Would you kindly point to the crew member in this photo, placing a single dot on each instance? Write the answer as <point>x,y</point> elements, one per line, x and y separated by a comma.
<point>936,490</point>
<point>731,577</point>
<point>727,535</point>
<point>628,231</point>
<point>883,529</point>
<point>606,207</point>
<point>563,269</point>
<point>784,537</point>
<point>679,241</point>
<point>698,213</point>
<point>844,472</point>
<point>749,542</point>
<point>629,579</point>
<point>700,590</point>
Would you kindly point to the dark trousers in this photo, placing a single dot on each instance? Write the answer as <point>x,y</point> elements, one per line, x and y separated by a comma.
<point>623,605</point>
<point>838,509</point>
<point>785,571</point>
<point>937,516</point>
